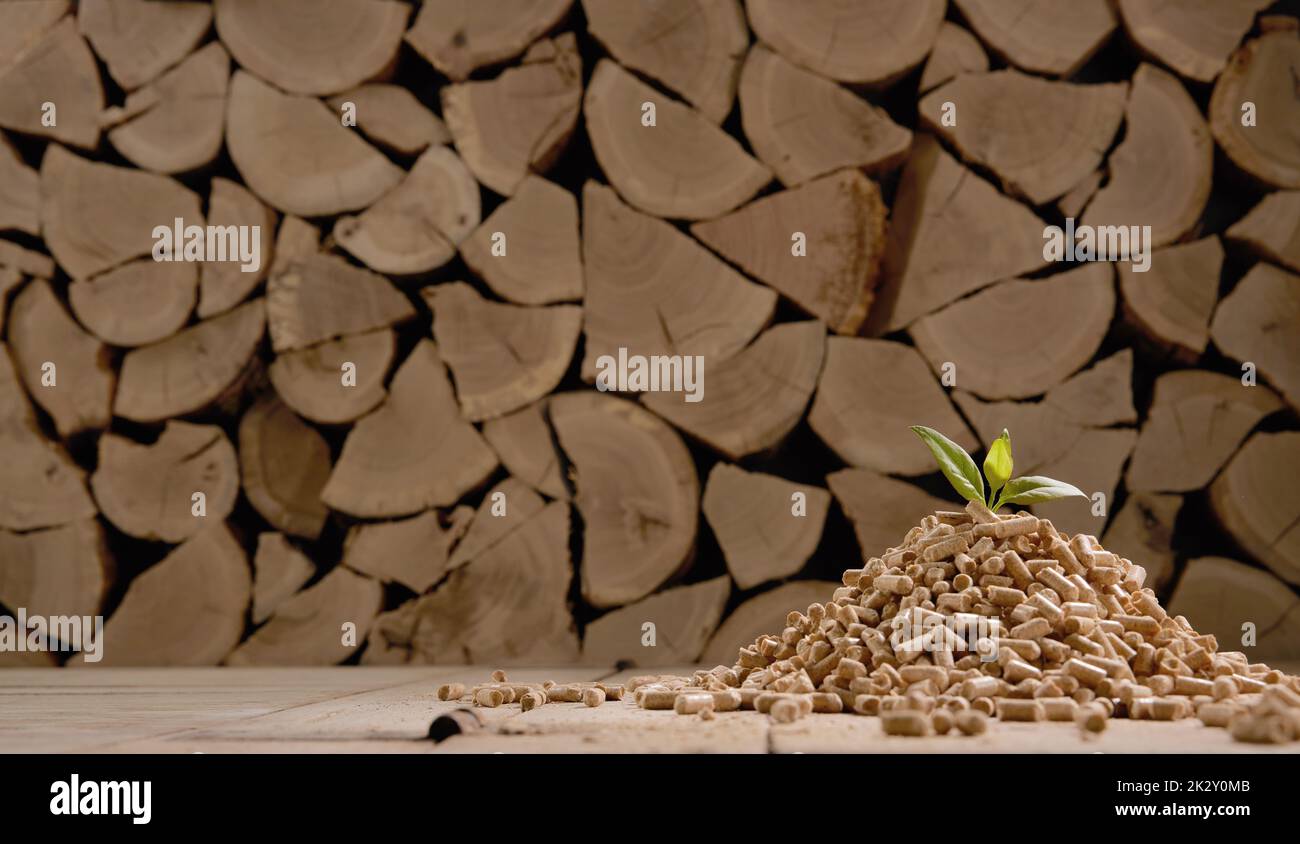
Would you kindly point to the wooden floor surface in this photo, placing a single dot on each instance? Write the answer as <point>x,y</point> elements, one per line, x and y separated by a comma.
<point>388,710</point>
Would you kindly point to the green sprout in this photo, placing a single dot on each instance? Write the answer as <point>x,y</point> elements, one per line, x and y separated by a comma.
<point>960,470</point>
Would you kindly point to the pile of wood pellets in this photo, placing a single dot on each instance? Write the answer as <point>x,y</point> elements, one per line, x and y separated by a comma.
<point>976,615</point>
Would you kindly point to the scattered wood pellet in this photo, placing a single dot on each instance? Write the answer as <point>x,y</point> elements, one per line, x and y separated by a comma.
<point>489,697</point>
<point>786,711</point>
<point>613,691</point>
<point>567,694</point>
<point>593,696</point>
<point>971,722</point>
<point>451,691</point>
<point>1011,709</point>
<point>1091,718</point>
<point>532,700</point>
<point>905,722</point>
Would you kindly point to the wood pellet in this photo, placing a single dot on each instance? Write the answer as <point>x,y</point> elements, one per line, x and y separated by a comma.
<point>975,617</point>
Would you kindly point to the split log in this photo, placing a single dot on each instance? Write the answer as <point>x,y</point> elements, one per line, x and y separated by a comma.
<point>137,303</point>
<point>391,117</point>
<point>1221,596</point>
<point>1173,301</point>
<point>520,121</point>
<point>20,192</point>
<point>528,250</point>
<point>1253,500</point>
<point>97,216</point>
<point>882,509</point>
<point>955,52</point>
<point>188,609</point>
<point>174,125</point>
<point>526,446</point>
<point>311,627</point>
<point>950,233</point>
<point>389,642</point>
<point>989,336</point>
<point>819,244</point>
<point>1047,430</point>
<point>755,398</point>
<point>322,297</point>
<point>147,491</point>
<point>57,68</point>
<point>1056,37</point>
<point>874,42</point>
<point>683,618</point>
<point>754,518</point>
<point>139,39</point>
<point>1196,422</point>
<point>190,370</point>
<point>870,393</point>
<point>1076,199</point>
<point>285,464</point>
<point>26,261</point>
<point>23,22</point>
<point>1041,431</point>
<point>1194,38</point>
<point>315,47</point>
<point>296,240</point>
<point>279,570</point>
<point>457,38</point>
<point>764,613</point>
<point>803,125</point>
<point>62,571</point>
<point>682,166</point>
<point>1271,229</point>
<point>413,452</point>
<point>637,491</point>
<point>415,227</point>
<point>508,606</point>
<point>1261,72</point>
<point>412,552</point>
<point>1259,322</point>
<point>266,133</point>
<point>1160,172</point>
<point>1094,464</point>
<point>40,486</point>
<point>507,506</point>
<point>653,290</point>
<point>224,284</point>
<point>1143,531</point>
<point>1099,396</point>
<point>10,279</point>
<point>1039,137</point>
<point>693,47</point>
<point>502,357</point>
<point>316,381</point>
<point>77,391</point>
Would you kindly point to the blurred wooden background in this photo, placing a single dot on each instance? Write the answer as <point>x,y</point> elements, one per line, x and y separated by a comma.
<point>372,505</point>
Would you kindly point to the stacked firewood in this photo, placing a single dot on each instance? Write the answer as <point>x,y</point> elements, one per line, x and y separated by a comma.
<point>400,418</point>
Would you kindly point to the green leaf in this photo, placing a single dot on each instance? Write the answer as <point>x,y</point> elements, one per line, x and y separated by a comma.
<point>998,463</point>
<point>956,465</point>
<point>1033,489</point>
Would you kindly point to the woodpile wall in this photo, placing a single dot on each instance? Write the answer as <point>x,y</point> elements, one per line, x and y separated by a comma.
<point>382,438</point>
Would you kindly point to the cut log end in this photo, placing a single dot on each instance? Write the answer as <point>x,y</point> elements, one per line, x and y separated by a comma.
<point>636,489</point>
